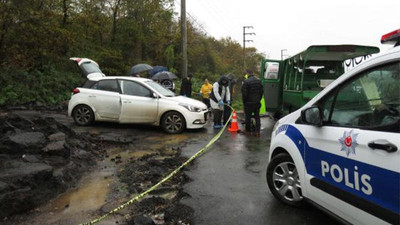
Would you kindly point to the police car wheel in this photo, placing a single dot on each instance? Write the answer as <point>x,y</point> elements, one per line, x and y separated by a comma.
<point>283,180</point>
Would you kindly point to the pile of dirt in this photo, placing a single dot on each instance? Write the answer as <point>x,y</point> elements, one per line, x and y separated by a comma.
<point>162,205</point>
<point>39,159</point>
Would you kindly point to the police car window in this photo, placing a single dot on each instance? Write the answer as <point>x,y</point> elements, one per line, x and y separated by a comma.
<point>133,88</point>
<point>106,85</point>
<point>371,101</point>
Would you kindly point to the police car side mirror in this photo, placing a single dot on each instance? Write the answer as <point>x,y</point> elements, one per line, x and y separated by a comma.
<point>154,95</point>
<point>312,116</point>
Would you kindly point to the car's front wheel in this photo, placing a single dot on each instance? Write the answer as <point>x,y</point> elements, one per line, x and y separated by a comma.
<point>173,123</point>
<point>283,180</point>
<point>83,115</point>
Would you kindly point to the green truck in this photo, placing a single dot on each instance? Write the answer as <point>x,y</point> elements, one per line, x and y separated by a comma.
<point>289,84</point>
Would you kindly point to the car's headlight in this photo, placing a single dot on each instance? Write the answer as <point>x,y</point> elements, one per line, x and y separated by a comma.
<point>191,108</point>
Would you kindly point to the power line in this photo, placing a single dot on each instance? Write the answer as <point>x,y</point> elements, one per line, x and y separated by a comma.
<point>225,25</point>
<point>194,20</point>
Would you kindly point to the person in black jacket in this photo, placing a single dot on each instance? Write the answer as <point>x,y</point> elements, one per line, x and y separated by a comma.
<point>186,86</point>
<point>251,94</point>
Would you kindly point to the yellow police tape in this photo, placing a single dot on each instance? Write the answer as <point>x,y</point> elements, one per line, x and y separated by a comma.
<point>141,195</point>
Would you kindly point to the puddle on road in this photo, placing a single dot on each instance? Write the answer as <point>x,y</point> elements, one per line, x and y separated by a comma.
<point>162,142</point>
<point>127,153</point>
<point>90,196</point>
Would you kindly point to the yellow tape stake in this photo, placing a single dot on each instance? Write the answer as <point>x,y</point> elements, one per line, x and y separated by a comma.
<point>141,195</point>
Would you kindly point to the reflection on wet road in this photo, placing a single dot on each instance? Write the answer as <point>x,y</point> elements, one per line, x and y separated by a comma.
<point>229,185</point>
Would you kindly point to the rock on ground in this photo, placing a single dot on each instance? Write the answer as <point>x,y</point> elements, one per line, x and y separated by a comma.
<point>39,159</point>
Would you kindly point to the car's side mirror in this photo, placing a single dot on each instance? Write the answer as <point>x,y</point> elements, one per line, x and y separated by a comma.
<point>312,116</point>
<point>155,95</point>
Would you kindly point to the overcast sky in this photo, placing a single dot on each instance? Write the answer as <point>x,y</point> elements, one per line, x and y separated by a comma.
<point>295,25</point>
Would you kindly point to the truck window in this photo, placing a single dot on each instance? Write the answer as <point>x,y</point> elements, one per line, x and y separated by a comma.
<point>271,70</point>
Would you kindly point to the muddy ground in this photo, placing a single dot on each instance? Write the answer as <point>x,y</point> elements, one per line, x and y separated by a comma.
<point>53,172</point>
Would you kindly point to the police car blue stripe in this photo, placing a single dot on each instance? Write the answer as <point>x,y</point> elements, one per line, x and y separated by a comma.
<point>385,184</point>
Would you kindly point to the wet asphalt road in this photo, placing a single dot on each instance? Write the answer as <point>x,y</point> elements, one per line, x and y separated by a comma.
<point>229,185</point>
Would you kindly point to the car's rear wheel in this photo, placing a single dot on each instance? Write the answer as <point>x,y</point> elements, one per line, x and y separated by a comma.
<point>283,180</point>
<point>83,115</point>
<point>173,123</point>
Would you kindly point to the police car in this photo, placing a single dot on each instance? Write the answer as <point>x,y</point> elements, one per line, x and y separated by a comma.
<point>340,151</point>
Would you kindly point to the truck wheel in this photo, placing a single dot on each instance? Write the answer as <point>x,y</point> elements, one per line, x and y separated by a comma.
<point>283,180</point>
<point>83,115</point>
<point>173,123</point>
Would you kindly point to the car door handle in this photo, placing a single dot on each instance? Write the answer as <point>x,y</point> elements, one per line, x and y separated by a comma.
<point>127,102</point>
<point>382,145</point>
<point>92,96</point>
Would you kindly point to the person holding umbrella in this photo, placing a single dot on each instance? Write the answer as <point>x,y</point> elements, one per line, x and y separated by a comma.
<point>165,78</point>
<point>186,86</point>
<point>137,69</point>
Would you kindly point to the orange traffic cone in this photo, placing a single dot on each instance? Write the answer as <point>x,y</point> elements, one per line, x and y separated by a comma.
<point>234,125</point>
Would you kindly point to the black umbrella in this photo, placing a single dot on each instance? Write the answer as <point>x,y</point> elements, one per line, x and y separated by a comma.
<point>164,75</point>
<point>140,68</point>
<point>157,69</point>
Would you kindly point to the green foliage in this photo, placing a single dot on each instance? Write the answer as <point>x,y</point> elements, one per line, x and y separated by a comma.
<point>111,63</point>
<point>170,57</point>
<point>48,86</point>
<point>237,105</point>
<point>38,36</point>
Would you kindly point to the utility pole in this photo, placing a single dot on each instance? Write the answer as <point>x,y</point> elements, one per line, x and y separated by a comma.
<point>184,38</point>
<point>282,50</point>
<point>244,43</point>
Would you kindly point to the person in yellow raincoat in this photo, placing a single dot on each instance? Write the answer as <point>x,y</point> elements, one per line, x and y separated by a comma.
<point>205,91</point>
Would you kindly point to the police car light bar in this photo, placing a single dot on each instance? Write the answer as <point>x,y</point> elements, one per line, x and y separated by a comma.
<point>391,38</point>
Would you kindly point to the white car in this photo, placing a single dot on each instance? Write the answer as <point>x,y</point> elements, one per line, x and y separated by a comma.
<point>341,150</point>
<point>132,100</point>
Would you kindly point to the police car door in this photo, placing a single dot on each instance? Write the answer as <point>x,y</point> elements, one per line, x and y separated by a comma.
<point>353,159</point>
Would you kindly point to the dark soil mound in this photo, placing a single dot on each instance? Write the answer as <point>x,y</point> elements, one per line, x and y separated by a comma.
<point>39,159</point>
<point>141,174</point>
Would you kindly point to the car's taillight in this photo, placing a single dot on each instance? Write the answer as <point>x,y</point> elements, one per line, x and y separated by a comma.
<point>75,91</point>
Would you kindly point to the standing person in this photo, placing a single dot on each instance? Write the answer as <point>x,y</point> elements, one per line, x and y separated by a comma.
<point>227,109</point>
<point>186,86</point>
<point>219,95</point>
<point>251,94</point>
<point>205,91</point>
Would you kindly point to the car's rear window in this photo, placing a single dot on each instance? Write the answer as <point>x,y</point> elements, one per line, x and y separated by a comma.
<point>90,67</point>
<point>89,84</point>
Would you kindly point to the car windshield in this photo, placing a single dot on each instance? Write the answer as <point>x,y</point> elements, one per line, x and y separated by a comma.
<point>160,89</point>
